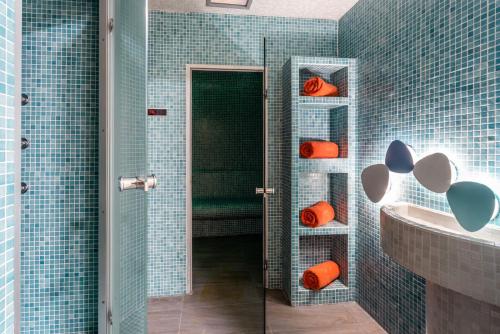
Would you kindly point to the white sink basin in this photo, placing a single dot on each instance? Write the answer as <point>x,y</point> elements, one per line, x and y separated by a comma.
<point>433,245</point>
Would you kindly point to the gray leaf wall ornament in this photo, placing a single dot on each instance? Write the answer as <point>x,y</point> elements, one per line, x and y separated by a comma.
<point>376,182</point>
<point>435,172</point>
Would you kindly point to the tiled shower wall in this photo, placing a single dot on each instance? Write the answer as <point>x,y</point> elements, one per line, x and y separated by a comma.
<point>180,39</point>
<point>426,76</point>
<point>8,170</point>
<point>59,213</point>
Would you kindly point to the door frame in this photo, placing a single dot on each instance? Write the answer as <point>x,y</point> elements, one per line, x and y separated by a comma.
<point>18,50</point>
<point>190,68</point>
<point>106,103</point>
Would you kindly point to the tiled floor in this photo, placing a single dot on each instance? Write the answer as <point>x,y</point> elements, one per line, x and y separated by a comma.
<point>228,299</point>
<point>343,318</point>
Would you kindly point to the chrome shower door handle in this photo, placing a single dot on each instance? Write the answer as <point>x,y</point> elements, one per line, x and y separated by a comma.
<point>264,191</point>
<point>151,182</point>
<point>137,182</point>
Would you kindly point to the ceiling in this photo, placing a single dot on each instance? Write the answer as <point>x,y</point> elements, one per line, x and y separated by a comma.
<point>319,9</point>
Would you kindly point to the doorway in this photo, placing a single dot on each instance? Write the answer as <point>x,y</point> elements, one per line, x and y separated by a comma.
<point>226,222</point>
<point>227,217</point>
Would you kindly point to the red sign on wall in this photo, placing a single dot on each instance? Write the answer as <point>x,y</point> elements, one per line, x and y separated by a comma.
<point>157,112</point>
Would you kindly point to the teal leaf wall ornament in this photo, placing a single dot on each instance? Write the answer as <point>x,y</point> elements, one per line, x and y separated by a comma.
<point>473,204</point>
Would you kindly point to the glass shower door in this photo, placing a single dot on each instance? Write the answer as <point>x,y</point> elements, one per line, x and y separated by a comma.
<point>266,189</point>
<point>123,283</point>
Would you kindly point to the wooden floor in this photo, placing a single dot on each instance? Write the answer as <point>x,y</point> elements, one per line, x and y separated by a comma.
<point>228,299</point>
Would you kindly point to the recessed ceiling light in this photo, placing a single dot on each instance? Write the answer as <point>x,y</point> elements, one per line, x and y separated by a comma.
<point>241,4</point>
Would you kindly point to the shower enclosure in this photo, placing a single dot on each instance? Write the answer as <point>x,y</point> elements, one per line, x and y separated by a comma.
<point>123,170</point>
<point>123,157</point>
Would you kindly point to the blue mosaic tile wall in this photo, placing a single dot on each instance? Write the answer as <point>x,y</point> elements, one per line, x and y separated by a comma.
<point>428,75</point>
<point>8,143</point>
<point>59,227</point>
<point>179,39</point>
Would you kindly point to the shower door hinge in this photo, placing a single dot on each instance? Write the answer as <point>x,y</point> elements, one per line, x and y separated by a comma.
<point>110,318</point>
<point>111,24</point>
<point>265,265</point>
<point>266,93</point>
<point>264,191</point>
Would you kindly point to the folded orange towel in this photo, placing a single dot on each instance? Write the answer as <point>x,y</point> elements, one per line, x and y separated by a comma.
<point>319,150</point>
<point>319,87</point>
<point>317,215</point>
<point>320,275</point>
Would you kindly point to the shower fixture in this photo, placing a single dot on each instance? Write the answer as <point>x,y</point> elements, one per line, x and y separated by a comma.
<point>25,143</point>
<point>237,4</point>
<point>25,99</point>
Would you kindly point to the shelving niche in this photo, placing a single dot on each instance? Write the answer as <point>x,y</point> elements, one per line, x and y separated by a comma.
<point>307,181</point>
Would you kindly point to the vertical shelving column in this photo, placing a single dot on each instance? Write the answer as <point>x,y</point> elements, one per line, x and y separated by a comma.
<point>307,181</point>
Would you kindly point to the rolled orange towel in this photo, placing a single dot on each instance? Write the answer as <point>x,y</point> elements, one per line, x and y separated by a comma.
<point>320,275</point>
<point>317,215</point>
<point>319,87</point>
<point>319,150</point>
